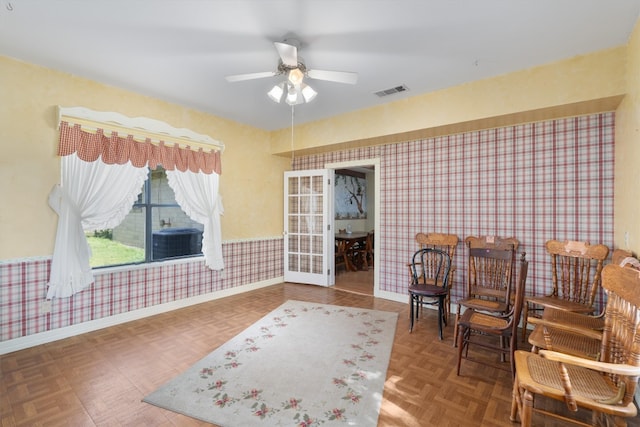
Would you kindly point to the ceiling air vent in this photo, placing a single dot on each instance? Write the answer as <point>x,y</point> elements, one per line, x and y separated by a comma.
<point>391,91</point>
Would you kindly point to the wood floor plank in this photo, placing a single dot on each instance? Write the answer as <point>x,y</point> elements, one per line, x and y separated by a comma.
<point>100,378</point>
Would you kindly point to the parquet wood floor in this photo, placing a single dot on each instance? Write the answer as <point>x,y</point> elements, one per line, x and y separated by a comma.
<point>359,282</point>
<point>100,378</point>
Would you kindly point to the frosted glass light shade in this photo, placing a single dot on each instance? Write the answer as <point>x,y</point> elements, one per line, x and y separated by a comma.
<point>276,92</point>
<point>308,93</point>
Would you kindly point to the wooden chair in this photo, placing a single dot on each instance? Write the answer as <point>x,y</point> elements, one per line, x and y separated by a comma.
<point>574,333</point>
<point>430,270</point>
<point>481,329</point>
<point>365,253</point>
<point>622,257</point>
<point>605,386</point>
<point>569,318</point>
<point>575,274</point>
<point>551,315</point>
<point>340,255</point>
<point>492,242</point>
<point>489,276</point>
<point>447,243</point>
<point>565,335</point>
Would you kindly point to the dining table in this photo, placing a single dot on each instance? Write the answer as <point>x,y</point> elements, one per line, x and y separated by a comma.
<point>350,240</point>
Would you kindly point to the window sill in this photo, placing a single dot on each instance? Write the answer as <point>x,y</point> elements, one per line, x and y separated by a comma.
<point>133,267</point>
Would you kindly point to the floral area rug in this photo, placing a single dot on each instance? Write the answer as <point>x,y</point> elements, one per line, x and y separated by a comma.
<point>304,364</point>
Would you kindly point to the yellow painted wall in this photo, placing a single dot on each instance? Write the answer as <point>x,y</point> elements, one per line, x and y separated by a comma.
<point>627,169</point>
<point>547,87</point>
<point>29,166</point>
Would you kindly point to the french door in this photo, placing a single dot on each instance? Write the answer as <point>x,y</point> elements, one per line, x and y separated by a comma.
<point>308,238</point>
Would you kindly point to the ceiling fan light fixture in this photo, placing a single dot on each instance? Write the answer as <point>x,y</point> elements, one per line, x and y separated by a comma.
<point>276,92</point>
<point>296,76</point>
<point>292,67</point>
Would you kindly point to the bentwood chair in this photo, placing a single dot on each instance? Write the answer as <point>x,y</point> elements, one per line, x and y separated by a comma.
<point>575,274</point>
<point>430,270</point>
<point>606,386</point>
<point>489,276</point>
<point>447,243</point>
<point>483,329</point>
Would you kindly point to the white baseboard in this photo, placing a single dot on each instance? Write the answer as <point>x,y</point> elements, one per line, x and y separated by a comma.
<point>404,298</point>
<point>93,325</point>
<point>391,296</point>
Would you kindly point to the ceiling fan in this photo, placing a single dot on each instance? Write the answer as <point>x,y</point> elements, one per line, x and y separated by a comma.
<point>297,92</point>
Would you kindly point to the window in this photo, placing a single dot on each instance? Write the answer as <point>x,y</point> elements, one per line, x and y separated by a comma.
<point>155,229</point>
<point>101,176</point>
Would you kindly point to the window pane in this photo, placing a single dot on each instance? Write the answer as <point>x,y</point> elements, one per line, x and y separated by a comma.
<point>170,233</point>
<point>123,244</point>
<point>161,193</point>
<point>174,233</point>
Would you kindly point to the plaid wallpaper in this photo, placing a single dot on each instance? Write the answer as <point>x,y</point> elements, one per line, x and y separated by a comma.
<point>535,182</point>
<point>23,287</point>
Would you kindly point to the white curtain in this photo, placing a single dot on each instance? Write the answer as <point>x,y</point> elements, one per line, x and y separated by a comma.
<point>197,195</point>
<point>91,196</point>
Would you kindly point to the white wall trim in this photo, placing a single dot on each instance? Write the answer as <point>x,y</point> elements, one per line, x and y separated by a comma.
<point>25,259</point>
<point>94,325</point>
<point>375,162</point>
<point>253,239</point>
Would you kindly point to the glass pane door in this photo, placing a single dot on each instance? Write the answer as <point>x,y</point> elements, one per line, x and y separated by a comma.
<point>307,236</point>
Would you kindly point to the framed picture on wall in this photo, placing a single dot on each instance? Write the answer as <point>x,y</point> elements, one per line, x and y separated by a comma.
<point>350,195</point>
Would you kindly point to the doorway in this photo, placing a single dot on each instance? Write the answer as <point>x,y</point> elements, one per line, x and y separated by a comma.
<point>362,281</point>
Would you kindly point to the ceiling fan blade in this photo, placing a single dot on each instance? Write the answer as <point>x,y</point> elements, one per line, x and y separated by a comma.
<point>288,53</point>
<point>250,76</point>
<point>334,76</point>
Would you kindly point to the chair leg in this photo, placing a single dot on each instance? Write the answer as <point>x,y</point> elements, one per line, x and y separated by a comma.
<point>516,403</point>
<point>527,409</point>
<point>440,316</point>
<point>513,346</point>
<point>410,313</point>
<point>365,264</point>
<point>525,314</point>
<point>466,340</point>
<point>521,404</point>
<point>443,304</point>
<point>460,345</point>
<point>455,326</point>
<point>448,306</point>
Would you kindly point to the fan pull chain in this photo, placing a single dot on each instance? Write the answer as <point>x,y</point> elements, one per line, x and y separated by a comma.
<point>292,150</point>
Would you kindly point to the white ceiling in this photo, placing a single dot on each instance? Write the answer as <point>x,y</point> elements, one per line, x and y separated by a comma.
<point>181,50</point>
